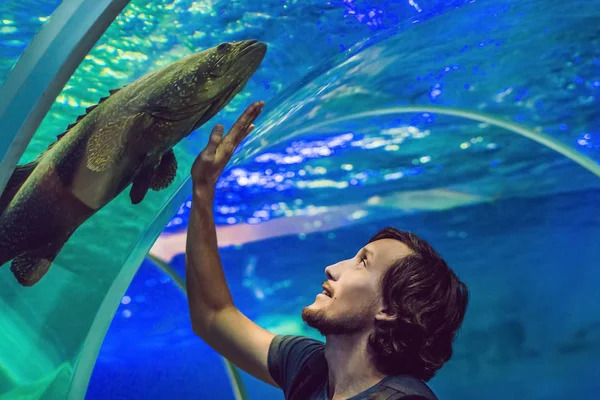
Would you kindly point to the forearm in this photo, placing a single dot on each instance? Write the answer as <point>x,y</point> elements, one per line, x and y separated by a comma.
<point>208,292</point>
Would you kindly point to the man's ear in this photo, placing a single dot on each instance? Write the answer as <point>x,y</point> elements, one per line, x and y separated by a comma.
<point>385,315</point>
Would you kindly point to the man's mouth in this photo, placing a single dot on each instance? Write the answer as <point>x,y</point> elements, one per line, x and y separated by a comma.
<point>326,291</point>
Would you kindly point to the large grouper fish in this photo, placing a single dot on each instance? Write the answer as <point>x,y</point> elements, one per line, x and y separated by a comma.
<point>127,138</point>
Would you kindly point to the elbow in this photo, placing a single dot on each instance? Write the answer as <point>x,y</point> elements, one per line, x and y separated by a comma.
<point>208,324</point>
<point>201,323</point>
<point>200,329</point>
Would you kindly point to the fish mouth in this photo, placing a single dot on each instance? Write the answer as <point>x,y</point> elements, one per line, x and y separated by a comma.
<point>246,58</point>
<point>253,46</point>
<point>249,57</point>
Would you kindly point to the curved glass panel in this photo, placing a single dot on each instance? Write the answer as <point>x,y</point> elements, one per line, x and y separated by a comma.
<point>20,21</point>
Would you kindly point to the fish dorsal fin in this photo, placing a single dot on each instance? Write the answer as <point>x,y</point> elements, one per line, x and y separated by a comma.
<point>53,143</point>
<point>79,118</point>
<point>89,110</point>
<point>16,180</point>
<point>68,129</point>
<point>58,137</point>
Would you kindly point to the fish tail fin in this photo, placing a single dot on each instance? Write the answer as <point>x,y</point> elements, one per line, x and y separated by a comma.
<point>31,266</point>
<point>16,180</point>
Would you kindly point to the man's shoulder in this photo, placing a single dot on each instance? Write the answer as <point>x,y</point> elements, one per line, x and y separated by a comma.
<point>297,349</point>
<point>290,354</point>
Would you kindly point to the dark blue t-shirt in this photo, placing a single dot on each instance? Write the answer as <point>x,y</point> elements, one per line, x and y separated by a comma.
<point>298,365</point>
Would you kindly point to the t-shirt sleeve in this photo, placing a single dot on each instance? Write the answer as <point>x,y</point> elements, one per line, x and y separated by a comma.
<point>287,355</point>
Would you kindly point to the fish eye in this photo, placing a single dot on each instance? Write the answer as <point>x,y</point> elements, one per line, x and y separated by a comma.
<point>224,47</point>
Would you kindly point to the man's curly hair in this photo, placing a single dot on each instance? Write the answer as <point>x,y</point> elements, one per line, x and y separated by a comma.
<point>429,302</point>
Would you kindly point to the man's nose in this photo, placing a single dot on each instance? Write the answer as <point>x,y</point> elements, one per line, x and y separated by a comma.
<point>331,272</point>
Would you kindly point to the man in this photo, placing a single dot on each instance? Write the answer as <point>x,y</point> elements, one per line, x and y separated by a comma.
<point>389,314</point>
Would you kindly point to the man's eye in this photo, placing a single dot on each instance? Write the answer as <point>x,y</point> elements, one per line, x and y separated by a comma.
<point>364,261</point>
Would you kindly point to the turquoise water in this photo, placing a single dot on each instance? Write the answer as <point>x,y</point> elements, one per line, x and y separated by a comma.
<point>474,126</point>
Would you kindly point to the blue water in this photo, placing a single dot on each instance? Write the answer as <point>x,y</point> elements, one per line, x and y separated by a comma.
<point>532,330</point>
<point>518,221</point>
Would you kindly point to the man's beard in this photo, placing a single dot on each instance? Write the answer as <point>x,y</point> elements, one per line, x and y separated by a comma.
<point>343,325</point>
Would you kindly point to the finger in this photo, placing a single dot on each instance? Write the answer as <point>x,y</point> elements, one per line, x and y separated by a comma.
<point>214,140</point>
<point>246,119</point>
<point>239,130</point>
<point>250,129</point>
<point>245,127</point>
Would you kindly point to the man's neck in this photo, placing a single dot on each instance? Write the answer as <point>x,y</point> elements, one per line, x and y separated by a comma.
<point>351,370</point>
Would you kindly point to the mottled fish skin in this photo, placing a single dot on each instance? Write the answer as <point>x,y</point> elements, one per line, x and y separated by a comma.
<point>126,138</point>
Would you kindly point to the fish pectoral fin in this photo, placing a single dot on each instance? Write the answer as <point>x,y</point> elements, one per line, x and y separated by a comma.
<point>105,148</point>
<point>31,266</point>
<point>16,180</point>
<point>141,183</point>
<point>154,175</point>
<point>165,172</point>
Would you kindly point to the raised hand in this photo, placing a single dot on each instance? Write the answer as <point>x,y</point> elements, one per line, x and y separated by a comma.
<point>211,162</point>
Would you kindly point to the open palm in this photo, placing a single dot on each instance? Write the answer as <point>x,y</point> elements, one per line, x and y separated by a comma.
<point>209,164</point>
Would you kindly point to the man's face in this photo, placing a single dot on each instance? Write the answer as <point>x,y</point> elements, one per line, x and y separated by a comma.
<point>353,297</point>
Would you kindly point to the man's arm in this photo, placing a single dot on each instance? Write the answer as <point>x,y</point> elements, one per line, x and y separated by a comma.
<point>213,315</point>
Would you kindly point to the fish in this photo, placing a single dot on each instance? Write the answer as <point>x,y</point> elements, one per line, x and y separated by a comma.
<point>126,139</point>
